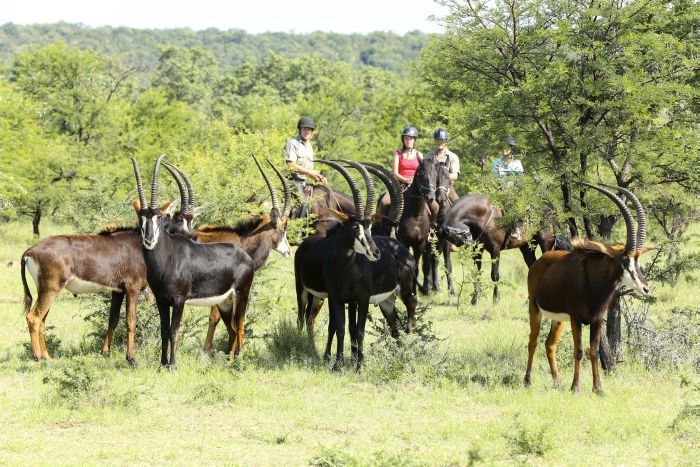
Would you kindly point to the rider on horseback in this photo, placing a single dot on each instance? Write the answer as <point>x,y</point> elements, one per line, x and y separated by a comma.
<point>299,156</point>
<point>448,158</point>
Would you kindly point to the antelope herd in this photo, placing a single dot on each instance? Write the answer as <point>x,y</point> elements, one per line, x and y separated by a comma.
<point>354,258</point>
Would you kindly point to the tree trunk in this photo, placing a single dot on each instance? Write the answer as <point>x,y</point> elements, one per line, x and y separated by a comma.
<point>611,340</point>
<point>36,219</point>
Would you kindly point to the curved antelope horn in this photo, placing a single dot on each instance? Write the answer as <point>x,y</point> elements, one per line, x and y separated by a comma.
<point>139,183</point>
<point>183,197</point>
<point>154,183</point>
<point>273,193</point>
<point>392,184</point>
<point>641,215</point>
<point>369,183</point>
<point>287,192</point>
<point>630,245</point>
<point>190,192</point>
<point>356,195</point>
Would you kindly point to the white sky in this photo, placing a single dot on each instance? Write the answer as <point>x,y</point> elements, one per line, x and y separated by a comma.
<point>256,16</point>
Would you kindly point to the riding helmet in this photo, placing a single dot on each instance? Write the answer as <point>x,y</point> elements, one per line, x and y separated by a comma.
<point>440,134</point>
<point>306,122</point>
<point>410,131</point>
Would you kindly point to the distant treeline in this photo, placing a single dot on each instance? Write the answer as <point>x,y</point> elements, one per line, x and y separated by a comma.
<point>231,48</point>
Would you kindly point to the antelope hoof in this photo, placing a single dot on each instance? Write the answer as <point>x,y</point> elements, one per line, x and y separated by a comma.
<point>526,381</point>
<point>131,361</point>
<point>338,365</point>
<point>105,353</point>
<point>599,391</point>
<point>575,389</point>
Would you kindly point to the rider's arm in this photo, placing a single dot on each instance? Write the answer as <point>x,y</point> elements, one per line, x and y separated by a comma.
<point>313,174</point>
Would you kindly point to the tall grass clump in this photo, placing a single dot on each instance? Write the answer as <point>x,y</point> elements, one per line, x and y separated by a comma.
<point>528,440</point>
<point>416,356</point>
<point>83,382</point>
<point>495,363</point>
<point>289,342</point>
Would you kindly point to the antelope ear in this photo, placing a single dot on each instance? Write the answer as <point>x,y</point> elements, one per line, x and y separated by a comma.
<point>136,205</point>
<point>168,209</point>
<point>197,211</point>
<point>645,249</point>
<point>341,216</point>
<point>617,247</point>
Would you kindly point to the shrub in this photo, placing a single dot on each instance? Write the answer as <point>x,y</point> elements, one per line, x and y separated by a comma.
<point>672,344</point>
<point>289,342</point>
<point>527,440</point>
<point>82,383</point>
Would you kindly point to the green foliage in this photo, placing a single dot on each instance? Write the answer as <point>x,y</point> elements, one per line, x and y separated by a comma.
<point>528,440</point>
<point>231,48</point>
<point>289,342</point>
<point>585,89</point>
<point>81,383</point>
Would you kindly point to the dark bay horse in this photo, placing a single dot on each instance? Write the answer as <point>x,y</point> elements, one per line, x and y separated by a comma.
<point>430,185</point>
<point>476,215</point>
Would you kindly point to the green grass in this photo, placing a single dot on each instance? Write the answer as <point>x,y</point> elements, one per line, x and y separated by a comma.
<point>455,398</point>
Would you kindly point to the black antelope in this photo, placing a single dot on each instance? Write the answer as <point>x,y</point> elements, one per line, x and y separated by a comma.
<point>578,286</point>
<point>110,261</point>
<point>478,216</point>
<point>181,271</point>
<point>329,268</point>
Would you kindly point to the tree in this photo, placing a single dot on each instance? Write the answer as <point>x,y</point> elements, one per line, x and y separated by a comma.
<point>37,170</point>
<point>586,86</point>
<point>187,75</point>
<point>77,88</point>
<point>599,90</point>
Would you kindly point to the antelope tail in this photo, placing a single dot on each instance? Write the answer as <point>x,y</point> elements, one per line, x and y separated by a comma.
<point>27,293</point>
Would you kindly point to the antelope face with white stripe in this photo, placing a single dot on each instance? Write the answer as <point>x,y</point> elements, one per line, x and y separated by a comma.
<point>363,242</point>
<point>632,276</point>
<point>150,221</point>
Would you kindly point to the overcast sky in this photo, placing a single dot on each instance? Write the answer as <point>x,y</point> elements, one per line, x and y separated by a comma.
<point>343,16</point>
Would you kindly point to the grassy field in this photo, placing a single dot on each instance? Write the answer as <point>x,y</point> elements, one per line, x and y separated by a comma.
<point>452,396</point>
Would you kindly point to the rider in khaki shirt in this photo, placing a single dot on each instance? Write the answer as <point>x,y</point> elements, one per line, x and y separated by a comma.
<point>444,156</point>
<point>299,156</point>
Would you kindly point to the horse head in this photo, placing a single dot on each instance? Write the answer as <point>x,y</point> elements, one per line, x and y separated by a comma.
<point>425,179</point>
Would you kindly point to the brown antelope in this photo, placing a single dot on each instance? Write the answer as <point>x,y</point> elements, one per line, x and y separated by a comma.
<point>578,286</point>
<point>110,261</point>
<point>257,236</point>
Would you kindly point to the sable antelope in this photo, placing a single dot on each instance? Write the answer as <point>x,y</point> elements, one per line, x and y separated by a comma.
<point>109,261</point>
<point>257,236</point>
<point>181,271</point>
<point>578,286</point>
<point>343,258</point>
<point>355,279</point>
<point>478,216</point>
<point>324,202</point>
<point>430,184</point>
